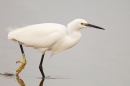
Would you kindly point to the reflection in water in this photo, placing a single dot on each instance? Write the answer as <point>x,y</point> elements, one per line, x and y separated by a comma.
<point>41,83</point>
<point>21,82</point>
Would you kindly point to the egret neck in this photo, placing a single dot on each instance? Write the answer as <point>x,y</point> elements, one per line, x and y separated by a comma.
<point>74,36</point>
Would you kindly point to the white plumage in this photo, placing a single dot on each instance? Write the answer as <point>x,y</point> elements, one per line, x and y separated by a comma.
<point>49,36</point>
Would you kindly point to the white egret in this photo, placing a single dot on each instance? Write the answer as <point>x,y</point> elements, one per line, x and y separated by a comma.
<point>48,37</point>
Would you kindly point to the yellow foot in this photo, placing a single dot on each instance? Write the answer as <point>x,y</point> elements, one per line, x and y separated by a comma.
<point>21,66</point>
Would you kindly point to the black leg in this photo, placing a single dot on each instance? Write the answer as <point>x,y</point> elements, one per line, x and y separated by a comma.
<point>40,66</point>
<point>21,47</point>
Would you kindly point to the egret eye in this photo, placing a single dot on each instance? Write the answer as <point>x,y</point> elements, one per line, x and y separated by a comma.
<point>82,23</point>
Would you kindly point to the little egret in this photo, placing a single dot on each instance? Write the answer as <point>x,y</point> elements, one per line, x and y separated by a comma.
<point>48,37</point>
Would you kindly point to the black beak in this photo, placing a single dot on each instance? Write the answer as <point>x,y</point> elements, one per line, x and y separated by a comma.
<point>94,26</point>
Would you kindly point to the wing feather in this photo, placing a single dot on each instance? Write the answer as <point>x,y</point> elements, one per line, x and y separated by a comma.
<point>39,35</point>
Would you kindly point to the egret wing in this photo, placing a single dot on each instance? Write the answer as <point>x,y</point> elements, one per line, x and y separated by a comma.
<point>39,35</point>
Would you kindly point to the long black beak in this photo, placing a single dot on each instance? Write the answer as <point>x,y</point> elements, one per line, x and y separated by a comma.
<point>94,26</point>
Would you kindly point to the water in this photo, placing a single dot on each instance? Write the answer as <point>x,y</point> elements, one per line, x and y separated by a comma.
<point>17,81</point>
<point>65,68</point>
<point>101,58</point>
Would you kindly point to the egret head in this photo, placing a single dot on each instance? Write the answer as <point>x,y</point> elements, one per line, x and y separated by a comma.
<point>81,23</point>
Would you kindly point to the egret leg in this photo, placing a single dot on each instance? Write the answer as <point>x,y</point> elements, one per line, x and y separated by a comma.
<point>23,62</point>
<point>40,66</point>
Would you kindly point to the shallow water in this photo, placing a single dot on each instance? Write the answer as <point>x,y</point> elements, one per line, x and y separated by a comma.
<point>101,58</point>
<point>64,69</point>
<point>15,80</point>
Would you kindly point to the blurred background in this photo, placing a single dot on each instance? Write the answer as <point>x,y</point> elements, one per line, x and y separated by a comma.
<point>101,58</point>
